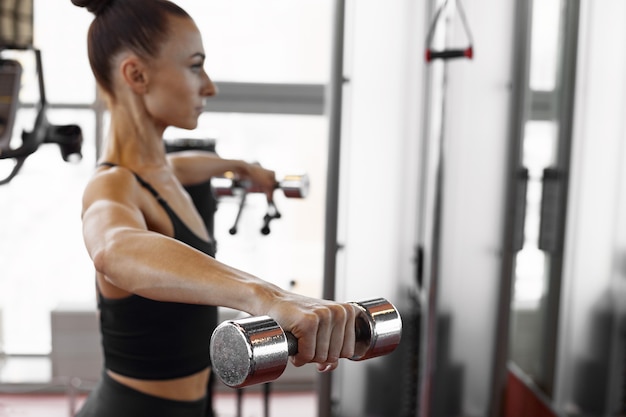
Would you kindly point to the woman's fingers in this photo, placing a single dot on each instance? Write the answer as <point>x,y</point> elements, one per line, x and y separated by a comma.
<point>349,340</point>
<point>325,335</point>
<point>327,367</point>
<point>342,335</point>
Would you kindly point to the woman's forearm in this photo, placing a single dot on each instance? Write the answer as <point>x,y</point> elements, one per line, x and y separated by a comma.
<point>195,167</point>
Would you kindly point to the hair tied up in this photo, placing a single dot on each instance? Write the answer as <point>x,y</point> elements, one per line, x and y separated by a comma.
<point>94,6</point>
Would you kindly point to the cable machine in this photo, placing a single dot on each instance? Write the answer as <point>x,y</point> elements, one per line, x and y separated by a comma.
<point>436,325</point>
<point>16,34</point>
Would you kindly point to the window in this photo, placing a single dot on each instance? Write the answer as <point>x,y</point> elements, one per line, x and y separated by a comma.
<point>545,154</point>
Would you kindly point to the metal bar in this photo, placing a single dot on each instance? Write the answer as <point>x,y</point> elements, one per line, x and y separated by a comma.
<point>235,97</point>
<point>43,100</point>
<point>566,120</point>
<point>334,109</point>
<point>266,399</point>
<point>520,77</point>
<point>59,106</point>
<point>239,402</point>
<point>238,97</point>
<point>429,241</point>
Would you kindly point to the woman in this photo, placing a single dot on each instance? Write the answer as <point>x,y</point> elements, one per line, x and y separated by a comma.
<point>158,283</point>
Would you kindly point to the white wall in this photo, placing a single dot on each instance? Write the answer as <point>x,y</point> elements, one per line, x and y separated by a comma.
<point>379,165</point>
<point>476,126</point>
<point>378,193</point>
<point>381,162</point>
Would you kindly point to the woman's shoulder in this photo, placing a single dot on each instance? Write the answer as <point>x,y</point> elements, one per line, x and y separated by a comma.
<point>110,175</point>
<point>111,182</point>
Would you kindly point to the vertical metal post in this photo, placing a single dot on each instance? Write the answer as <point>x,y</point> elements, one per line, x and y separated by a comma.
<point>99,108</point>
<point>521,68</point>
<point>567,81</point>
<point>239,402</point>
<point>333,109</point>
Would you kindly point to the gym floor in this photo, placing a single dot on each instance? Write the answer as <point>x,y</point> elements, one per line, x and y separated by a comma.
<point>280,405</point>
<point>26,390</point>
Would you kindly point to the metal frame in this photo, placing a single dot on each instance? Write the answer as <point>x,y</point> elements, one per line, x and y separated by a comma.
<point>565,92</point>
<point>331,246</point>
<point>305,99</point>
<point>519,106</point>
<point>234,97</point>
<point>533,105</point>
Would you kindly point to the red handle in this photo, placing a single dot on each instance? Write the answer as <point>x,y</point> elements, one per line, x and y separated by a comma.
<point>449,54</point>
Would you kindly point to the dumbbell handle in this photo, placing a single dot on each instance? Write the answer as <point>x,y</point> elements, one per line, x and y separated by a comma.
<point>362,336</point>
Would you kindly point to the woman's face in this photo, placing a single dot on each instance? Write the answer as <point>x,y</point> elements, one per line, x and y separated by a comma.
<point>178,83</point>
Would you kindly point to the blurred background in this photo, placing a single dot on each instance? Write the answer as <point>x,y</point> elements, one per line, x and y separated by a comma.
<point>465,160</point>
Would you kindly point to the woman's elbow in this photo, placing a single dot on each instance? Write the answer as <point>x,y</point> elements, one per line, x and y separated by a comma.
<point>98,258</point>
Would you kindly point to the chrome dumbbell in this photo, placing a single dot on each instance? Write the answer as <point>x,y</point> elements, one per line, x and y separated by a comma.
<point>293,186</point>
<point>255,350</point>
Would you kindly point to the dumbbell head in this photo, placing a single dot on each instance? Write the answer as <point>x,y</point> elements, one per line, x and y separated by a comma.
<point>256,349</point>
<point>293,186</point>
<point>379,329</point>
<point>224,187</point>
<point>249,351</point>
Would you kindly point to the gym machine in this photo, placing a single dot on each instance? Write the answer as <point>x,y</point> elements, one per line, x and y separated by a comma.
<point>207,195</point>
<point>16,33</point>
<point>292,186</point>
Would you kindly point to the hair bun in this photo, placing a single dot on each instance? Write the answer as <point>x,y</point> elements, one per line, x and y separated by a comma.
<point>94,6</point>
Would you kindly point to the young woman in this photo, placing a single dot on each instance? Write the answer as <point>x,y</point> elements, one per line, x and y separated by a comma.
<point>157,280</point>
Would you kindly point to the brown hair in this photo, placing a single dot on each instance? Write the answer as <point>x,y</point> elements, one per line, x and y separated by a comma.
<point>139,26</point>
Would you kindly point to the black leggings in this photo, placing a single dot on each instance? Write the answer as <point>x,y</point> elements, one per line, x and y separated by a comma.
<point>112,399</point>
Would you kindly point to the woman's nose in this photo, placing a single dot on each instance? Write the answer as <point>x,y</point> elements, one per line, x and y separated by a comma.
<point>209,88</point>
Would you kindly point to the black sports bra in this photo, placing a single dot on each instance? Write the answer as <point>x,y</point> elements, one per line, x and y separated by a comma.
<point>181,231</point>
<point>148,339</point>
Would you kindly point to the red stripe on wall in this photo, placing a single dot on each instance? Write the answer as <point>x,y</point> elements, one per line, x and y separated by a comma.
<point>521,401</point>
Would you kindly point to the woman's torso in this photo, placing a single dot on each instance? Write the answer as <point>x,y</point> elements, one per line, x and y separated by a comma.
<point>188,387</point>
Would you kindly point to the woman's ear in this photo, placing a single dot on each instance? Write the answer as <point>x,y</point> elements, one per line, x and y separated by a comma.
<point>134,74</point>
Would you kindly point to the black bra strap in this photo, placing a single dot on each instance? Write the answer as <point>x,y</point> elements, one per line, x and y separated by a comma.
<point>180,228</point>
<point>143,182</point>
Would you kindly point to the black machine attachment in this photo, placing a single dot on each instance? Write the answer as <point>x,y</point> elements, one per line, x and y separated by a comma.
<point>293,186</point>
<point>68,137</point>
<point>445,54</point>
<point>16,33</point>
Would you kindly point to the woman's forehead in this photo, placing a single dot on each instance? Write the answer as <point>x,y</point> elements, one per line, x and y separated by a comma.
<point>184,37</point>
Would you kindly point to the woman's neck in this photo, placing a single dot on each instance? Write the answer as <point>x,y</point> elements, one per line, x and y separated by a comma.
<point>133,141</point>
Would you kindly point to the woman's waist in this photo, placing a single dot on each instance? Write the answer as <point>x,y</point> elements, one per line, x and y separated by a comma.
<point>188,388</point>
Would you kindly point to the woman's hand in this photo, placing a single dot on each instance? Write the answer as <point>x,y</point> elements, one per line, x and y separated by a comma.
<point>261,178</point>
<point>325,330</point>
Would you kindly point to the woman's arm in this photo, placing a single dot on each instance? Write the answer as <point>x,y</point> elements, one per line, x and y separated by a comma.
<point>155,266</point>
<point>195,167</point>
